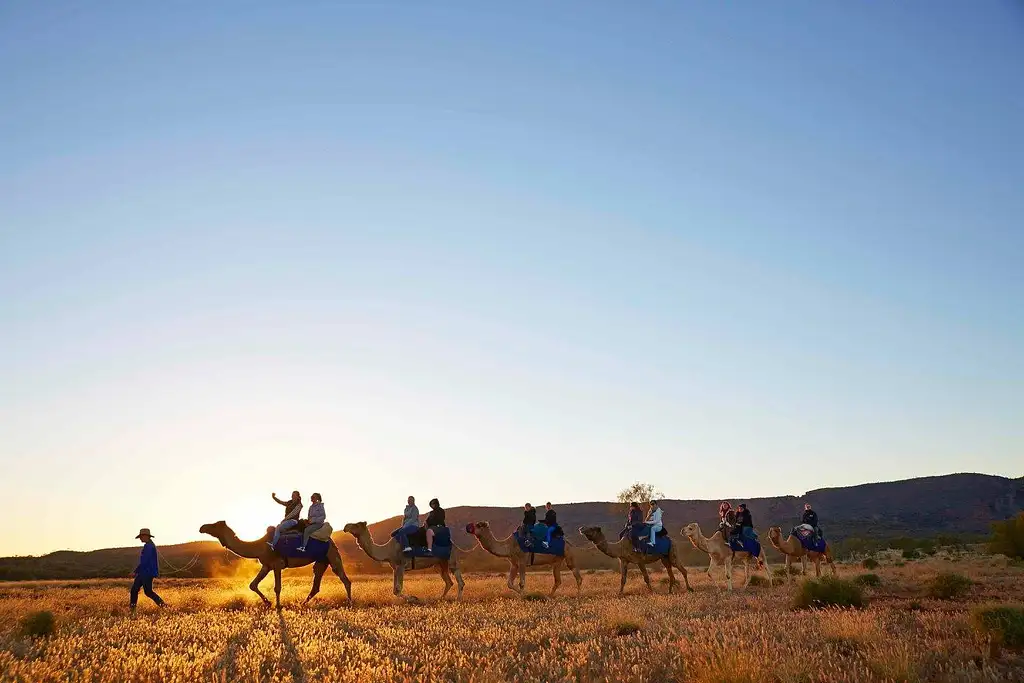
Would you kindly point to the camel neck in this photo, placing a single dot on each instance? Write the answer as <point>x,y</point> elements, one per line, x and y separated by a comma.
<point>376,552</point>
<point>494,546</point>
<point>605,547</point>
<point>247,549</point>
<point>702,542</point>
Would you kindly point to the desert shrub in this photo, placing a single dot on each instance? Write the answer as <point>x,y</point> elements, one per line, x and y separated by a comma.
<point>234,604</point>
<point>38,624</point>
<point>871,580</point>
<point>624,627</point>
<point>756,580</point>
<point>1008,537</point>
<point>899,564</point>
<point>1003,623</point>
<point>535,597</point>
<point>870,563</point>
<point>829,592</point>
<point>949,585</point>
<point>912,554</point>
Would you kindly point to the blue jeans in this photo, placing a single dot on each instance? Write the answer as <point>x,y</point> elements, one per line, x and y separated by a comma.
<point>547,538</point>
<point>286,524</point>
<point>145,584</point>
<point>402,534</point>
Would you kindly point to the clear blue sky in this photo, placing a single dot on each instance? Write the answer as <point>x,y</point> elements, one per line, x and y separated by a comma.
<point>494,254</point>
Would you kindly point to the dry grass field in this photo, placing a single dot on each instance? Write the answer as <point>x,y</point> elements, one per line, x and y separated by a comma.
<point>215,631</point>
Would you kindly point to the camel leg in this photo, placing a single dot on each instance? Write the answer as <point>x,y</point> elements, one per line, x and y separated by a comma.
<point>458,580</point>
<point>512,571</point>
<point>576,574</point>
<point>789,572</point>
<point>746,572</point>
<point>399,576</point>
<point>728,572</point>
<point>338,568</point>
<point>442,568</point>
<point>817,567</point>
<point>277,586</point>
<point>710,575</point>
<point>831,564</point>
<point>556,569</point>
<point>622,570</point>
<point>803,564</point>
<point>671,577</point>
<point>522,576</point>
<point>254,585</point>
<point>318,574</point>
<point>682,570</point>
<point>647,577</point>
<point>767,569</point>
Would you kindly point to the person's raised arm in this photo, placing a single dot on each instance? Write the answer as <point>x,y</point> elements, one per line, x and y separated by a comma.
<point>277,500</point>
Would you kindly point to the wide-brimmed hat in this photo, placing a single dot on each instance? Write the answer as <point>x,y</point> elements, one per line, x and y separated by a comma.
<point>145,532</point>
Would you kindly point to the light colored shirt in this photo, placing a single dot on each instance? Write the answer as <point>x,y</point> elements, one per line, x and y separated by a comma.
<point>412,516</point>
<point>654,516</point>
<point>317,514</point>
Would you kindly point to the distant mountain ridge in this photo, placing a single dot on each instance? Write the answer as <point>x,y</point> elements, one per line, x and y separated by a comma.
<point>926,506</point>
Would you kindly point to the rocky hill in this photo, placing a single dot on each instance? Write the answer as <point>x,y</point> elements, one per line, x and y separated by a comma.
<point>955,504</point>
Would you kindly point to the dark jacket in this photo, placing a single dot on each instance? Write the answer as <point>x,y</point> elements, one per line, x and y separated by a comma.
<point>810,517</point>
<point>147,561</point>
<point>636,516</point>
<point>743,519</point>
<point>550,518</point>
<point>529,517</point>
<point>435,517</point>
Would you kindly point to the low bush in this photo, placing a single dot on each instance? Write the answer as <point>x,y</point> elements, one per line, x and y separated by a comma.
<point>912,554</point>
<point>949,586</point>
<point>535,597</point>
<point>756,580</point>
<point>624,627</point>
<point>870,563</point>
<point>871,580</point>
<point>1004,624</point>
<point>829,592</point>
<point>38,624</point>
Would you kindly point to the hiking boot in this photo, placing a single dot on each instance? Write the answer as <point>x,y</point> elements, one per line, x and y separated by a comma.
<point>430,551</point>
<point>407,549</point>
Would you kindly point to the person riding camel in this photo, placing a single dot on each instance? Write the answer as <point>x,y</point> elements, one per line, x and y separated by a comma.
<point>551,521</point>
<point>292,511</point>
<point>654,520</point>
<point>529,521</point>
<point>435,520</point>
<point>634,522</point>
<point>810,518</point>
<point>410,524</point>
<point>724,508</point>
<point>315,521</point>
<point>744,521</point>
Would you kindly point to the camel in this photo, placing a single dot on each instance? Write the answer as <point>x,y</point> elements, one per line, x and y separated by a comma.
<point>622,550</point>
<point>272,562</point>
<point>718,549</point>
<point>792,547</point>
<point>517,559</point>
<point>391,552</point>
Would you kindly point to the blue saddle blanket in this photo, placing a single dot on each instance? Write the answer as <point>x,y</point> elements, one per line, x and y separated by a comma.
<point>662,544</point>
<point>288,546</point>
<point>442,543</point>
<point>810,540</point>
<point>556,547</point>
<point>749,545</point>
<point>443,552</point>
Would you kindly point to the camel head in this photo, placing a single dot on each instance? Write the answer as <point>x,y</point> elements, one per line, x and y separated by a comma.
<point>775,535</point>
<point>356,528</point>
<point>475,529</point>
<point>218,530</point>
<point>592,533</point>
<point>692,532</point>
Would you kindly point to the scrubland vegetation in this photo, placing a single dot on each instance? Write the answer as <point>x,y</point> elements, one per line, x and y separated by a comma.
<point>216,631</point>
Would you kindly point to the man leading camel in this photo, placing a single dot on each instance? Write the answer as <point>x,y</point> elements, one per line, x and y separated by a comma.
<point>145,572</point>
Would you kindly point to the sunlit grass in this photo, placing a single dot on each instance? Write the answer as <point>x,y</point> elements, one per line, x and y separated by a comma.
<point>217,630</point>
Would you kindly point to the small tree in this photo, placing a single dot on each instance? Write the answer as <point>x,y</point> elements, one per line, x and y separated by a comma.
<point>1008,537</point>
<point>639,492</point>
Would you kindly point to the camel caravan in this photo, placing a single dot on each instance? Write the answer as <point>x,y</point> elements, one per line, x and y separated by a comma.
<point>416,546</point>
